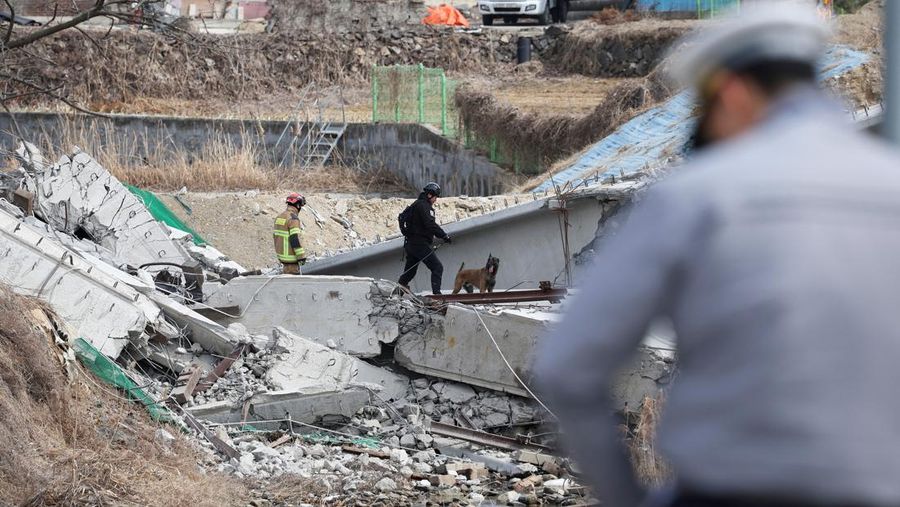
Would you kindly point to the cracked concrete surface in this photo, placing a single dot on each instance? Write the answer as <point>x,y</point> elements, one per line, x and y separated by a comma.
<point>326,309</point>
<point>79,197</point>
<point>100,308</point>
<point>308,366</point>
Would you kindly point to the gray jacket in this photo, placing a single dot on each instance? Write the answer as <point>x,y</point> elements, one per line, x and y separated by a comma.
<point>777,258</point>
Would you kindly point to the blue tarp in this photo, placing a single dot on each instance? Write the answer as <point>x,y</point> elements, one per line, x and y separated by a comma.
<point>685,5</point>
<point>651,138</point>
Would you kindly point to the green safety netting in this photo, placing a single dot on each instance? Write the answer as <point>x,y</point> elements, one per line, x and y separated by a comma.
<point>320,437</point>
<point>162,213</point>
<point>109,372</point>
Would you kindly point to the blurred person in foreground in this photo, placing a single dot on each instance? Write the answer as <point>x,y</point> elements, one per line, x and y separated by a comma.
<point>774,254</point>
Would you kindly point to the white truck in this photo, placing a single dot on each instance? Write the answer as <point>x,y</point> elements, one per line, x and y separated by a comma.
<point>511,11</point>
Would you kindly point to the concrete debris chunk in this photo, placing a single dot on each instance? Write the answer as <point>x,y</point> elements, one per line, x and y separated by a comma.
<point>275,406</point>
<point>309,366</point>
<point>77,196</point>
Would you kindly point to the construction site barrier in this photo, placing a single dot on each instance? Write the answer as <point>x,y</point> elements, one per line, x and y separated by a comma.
<point>423,95</point>
<point>414,94</point>
<point>108,371</point>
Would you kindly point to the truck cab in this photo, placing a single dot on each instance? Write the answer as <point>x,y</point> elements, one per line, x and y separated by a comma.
<point>511,11</point>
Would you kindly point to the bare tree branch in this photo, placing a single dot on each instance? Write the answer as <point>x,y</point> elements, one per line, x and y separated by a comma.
<point>93,12</point>
<point>12,21</point>
<point>51,93</point>
<point>90,39</point>
<point>55,10</point>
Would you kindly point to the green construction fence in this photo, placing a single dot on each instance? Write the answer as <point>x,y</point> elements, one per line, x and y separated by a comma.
<point>162,212</point>
<point>108,371</point>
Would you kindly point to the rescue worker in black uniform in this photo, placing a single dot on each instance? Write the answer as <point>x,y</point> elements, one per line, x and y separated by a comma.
<point>418,246</point>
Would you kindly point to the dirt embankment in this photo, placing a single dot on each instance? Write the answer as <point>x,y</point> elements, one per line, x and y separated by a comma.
<point>240,224</point>
<point>864,31</point>
<point>126,66</point>
<point>625,50</point>
<point>69,441</point>
<point>536,139</point>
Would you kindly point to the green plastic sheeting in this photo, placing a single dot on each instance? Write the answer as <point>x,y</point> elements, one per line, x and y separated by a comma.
<point>162,213</point>
<point>112,374</point>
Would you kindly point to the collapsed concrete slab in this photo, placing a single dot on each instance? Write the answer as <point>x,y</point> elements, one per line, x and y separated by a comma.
<point>308,366</point>
<point>99,307</point>
<point>460,349</point>
<point>309,408</point>
<point>326,309</point>
<point>79,197</point>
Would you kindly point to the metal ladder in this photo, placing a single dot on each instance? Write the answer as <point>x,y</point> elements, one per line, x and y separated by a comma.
<point>321,140</point>
<point>316,139</point>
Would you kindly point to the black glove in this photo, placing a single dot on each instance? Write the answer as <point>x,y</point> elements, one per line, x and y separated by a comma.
<point>303,261</point>
<point>447,239</point>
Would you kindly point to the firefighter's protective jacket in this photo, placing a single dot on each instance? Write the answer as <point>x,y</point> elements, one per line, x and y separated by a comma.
<point>287,237</point>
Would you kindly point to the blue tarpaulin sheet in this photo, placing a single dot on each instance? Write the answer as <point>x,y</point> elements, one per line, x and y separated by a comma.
<point>658,134</point>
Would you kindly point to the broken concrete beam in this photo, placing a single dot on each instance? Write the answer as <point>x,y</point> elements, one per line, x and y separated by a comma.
<point>78,196</point>
<point>100,308</point>
<point>461,349</point>
<point>309,366</point>
<point>282,405</point>
<point>321,308</point>
<point>213,337</point>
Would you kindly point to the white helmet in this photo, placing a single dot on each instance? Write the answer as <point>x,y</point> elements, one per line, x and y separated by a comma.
<point>761,31</point>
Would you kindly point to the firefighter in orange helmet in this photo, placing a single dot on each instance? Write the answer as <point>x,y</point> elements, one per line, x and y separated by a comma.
<point>287,235</point>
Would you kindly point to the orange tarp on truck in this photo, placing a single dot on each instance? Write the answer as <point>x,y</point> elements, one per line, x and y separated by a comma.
<point>445,15</point>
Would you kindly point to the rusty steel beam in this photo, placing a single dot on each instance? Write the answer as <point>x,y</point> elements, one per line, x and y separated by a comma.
<point>484,438</point>
<point>510,296</point>
<point>220,369</point>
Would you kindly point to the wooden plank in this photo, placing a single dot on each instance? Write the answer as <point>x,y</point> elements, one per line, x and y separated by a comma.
<point>191,379</point>
<point>375,453</point>
<point>283,439</point>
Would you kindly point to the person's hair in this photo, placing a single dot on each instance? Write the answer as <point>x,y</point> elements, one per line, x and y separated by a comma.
<point>775,76</point>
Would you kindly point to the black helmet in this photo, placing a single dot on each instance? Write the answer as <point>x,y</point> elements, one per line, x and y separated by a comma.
<point>433,189</point>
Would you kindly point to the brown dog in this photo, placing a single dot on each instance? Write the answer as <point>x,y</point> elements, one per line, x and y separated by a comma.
<point>484,278</point>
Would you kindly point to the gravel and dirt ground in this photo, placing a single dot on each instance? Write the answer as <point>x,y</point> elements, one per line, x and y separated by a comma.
<point>240,224</point>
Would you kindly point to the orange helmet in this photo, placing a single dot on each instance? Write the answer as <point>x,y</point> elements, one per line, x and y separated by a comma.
<point>295,199</point>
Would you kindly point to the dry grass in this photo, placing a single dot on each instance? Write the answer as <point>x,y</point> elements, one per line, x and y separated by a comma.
<point>648,465</point>
<point>220,164</point>
<point>72,442</point>
<point>613,16</point>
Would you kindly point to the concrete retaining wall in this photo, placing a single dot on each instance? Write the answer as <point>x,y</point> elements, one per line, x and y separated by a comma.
<point>419,155</point>
<point>412,152</point>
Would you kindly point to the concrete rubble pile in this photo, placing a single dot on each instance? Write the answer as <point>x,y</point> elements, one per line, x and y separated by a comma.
<point>383,397</point>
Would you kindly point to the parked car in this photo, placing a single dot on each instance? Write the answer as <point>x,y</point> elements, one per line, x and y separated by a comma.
<point>511,11</point>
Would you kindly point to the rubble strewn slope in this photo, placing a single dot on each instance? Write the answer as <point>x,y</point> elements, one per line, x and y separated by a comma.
<point>69,441</point>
